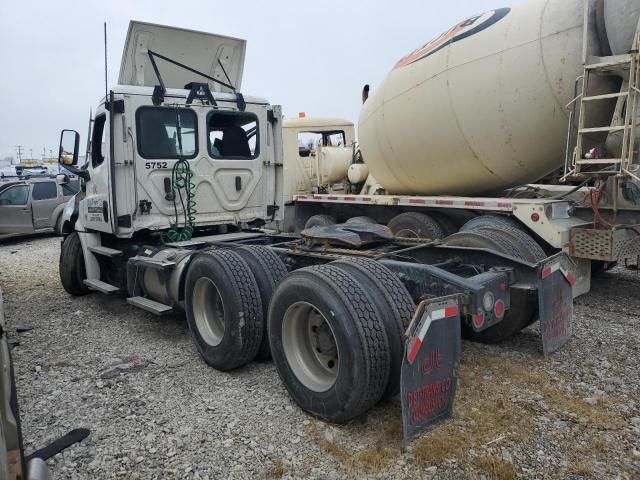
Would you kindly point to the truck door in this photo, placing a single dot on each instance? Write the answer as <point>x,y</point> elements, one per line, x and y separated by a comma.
<point>95,210</point>
<point>15,210</point>
<point>44,199</point>
<point>236,154</point>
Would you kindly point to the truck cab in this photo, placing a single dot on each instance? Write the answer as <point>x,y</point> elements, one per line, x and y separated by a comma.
<point>168,153</point>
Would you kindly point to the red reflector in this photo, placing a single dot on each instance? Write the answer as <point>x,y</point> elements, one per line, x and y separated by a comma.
<point>499,309</point>
<point>450,312</point>
<point>535,217</point>
<point>571,278</point>
<point>417,201</point>
<point>503,287</point>
<point>415,348</point>
<point>444,202</point>
<point>478,320</point>
<point>331,197</point>
<point>546,271</point>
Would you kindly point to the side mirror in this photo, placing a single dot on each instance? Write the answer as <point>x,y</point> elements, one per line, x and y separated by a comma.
<point>62,179</point>
<point>69,144</point>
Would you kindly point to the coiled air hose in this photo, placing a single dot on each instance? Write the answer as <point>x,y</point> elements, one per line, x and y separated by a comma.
<point>181,179</point>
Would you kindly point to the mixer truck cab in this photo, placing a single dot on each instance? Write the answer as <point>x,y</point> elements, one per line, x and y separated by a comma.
<point>169,153</point>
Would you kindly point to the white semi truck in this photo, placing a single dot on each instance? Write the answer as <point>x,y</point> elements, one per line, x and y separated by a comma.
<point>180,175</point>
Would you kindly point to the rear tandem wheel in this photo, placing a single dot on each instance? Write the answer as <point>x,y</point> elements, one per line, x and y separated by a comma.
<point>224,309</point>
<point>328,343</point>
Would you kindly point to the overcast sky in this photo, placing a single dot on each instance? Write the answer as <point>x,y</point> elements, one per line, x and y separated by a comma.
<point>306,56</point>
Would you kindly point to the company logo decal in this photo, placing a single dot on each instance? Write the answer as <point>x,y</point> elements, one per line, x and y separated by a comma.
<point>464,29</point>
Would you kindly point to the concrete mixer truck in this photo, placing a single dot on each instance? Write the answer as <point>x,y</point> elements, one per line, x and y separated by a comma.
<point>451,140</point>
<point>183,169</point>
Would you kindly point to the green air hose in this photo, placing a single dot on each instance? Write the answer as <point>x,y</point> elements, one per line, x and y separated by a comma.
<point>181,179</point>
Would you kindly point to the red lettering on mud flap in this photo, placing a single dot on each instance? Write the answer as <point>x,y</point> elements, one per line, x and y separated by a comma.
<point>430,366</point>
<point>555,301</point>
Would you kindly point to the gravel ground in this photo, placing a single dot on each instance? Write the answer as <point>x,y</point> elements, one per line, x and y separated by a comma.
<point>574,415</point>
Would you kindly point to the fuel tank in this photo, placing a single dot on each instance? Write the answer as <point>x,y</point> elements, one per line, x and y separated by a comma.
<point>480,108</point>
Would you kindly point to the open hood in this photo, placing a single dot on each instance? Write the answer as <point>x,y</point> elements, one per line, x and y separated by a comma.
<point>201,51</point>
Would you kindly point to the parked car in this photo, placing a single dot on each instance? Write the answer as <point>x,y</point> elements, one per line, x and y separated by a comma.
<point>35,204</point>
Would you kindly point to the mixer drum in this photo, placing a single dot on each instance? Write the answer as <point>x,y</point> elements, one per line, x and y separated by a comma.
<point>480,108</point>
<point>621,19</point>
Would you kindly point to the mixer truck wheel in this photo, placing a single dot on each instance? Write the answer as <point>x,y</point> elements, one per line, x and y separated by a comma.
<point>71,266</point>
<point>415,225</point>
<point>447,225</point>
<point>328,343</point>
<point>527,247</point>
<point>360,221</point>
<point>268,269</point>
<point>490,221</point>
<point>524,306</point>
<point>224,310</point>
<point>319,221</point>
<point>391,299</point>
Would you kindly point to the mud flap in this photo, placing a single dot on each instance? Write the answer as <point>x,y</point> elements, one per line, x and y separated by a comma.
<point>555,301</point>
<point>430,365</point>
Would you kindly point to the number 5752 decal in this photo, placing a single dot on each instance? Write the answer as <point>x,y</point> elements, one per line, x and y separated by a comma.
<point>150,165</point>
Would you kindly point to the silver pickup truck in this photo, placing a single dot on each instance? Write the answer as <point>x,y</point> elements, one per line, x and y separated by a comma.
<point>34,205</point>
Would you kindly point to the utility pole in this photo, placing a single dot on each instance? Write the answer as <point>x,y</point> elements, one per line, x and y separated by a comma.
<point>19,150</point>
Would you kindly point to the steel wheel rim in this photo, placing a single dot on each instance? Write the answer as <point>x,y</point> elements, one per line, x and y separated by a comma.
<point>208,311</point>
<point>309,345</point>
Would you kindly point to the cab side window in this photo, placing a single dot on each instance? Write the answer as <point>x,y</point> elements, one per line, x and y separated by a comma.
<point>167,133</point>
<point>44,190</point>
<point>18,195</point>
<point>97,140</point>
<point>233,135</point>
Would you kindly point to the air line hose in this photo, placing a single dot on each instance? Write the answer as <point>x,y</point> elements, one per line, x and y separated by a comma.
<point>181,179</point>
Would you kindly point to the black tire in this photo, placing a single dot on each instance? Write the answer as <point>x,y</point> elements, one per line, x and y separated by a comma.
<point>527,246</point>
<point>224,310</point>
<point>360,221</point>
<point>355,329</point>
<point>489,239</point>
<point>490,221</point>
<point>524,304</point>
<point>58,225</point>
<point>71,266</point>
<point>415,225</point>
<point>447,225</point>
<point>319,221</point>
<point>392,300</point>
<point>268,269</point>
